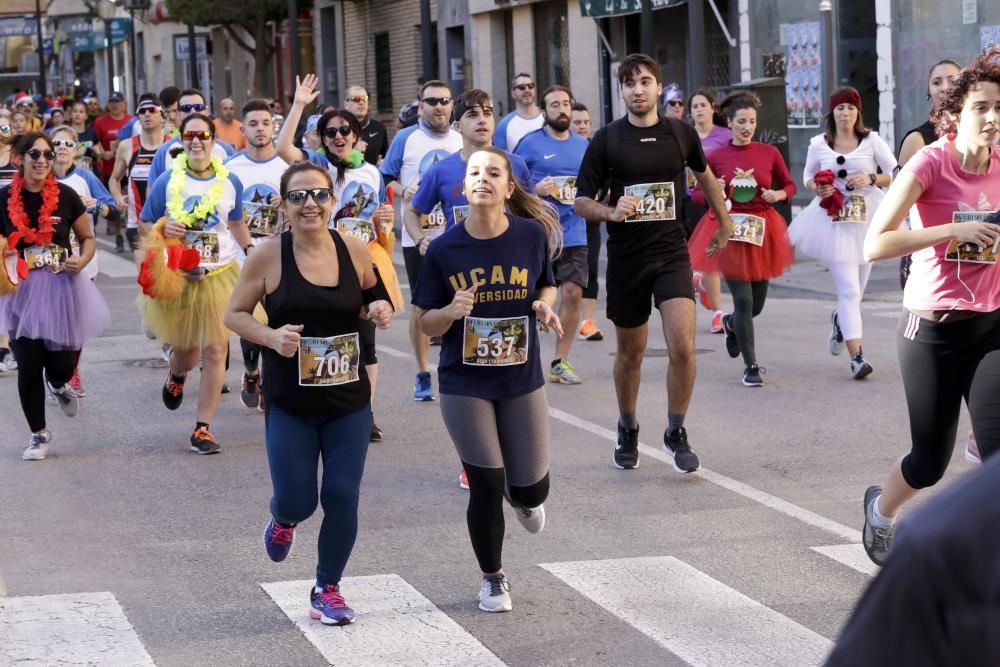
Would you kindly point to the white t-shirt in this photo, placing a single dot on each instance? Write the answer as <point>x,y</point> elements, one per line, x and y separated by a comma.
<point>513,127</point>
<point>87,185</point>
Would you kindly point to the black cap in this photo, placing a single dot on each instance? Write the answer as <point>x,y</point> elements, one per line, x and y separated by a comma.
<point>148,99</point>
<point>116,97</point>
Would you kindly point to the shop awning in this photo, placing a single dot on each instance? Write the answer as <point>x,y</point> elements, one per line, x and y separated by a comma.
<point>604,8</point>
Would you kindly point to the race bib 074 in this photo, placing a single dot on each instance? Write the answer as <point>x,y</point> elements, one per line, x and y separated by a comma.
<point>656,202</point>
<point>357,227</point>
<point>747,228</point>
<point>969,252</point>
<point>495,341</point>
<point>565,189</point>
<point>854,210</point>
<point>206,243</point>
<point>51,257</point>
<point>327,362</point>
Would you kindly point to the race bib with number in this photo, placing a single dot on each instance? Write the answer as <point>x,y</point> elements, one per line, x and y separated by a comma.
<point>747,228</point>
<point>854,210</point>
<point>460,213</point>
<point>435,223</point>
<point>565,189</point>
<point>262,219</point>
<point>206,243</point>
<point>656,202</point>
<point>326,362</point>
<point>362,229</point>
<point>495,341</point>
<point>51,257</point>
<point>969,252</point>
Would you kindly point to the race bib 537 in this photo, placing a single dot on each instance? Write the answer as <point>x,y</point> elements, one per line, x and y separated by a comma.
<point>495,341</point>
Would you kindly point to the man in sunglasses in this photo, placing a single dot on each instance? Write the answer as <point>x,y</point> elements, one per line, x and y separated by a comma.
<point>227,127</point>
<point>191,101</point>
<point>673,102</point>
<point>106,128</point>
<point>374,140</point>
<point>527,117</point>
<point>26,105</point>
<point>411,153</point>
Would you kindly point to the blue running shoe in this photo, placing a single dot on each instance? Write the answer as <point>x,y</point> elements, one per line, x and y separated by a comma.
<point>328,606</point>
<point>278,540</point>
<point>423,390</point>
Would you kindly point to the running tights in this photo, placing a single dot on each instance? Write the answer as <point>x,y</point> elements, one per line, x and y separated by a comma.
<point>251,354</point>
<point>748,302</point>
<point>850,281</point>
<point>942,363</point>
<point>593,259</point>
<point>33,359</point>
<point>295,444</point>
<point>504,446</point>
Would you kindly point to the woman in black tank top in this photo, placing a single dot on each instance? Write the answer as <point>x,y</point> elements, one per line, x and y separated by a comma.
<point>314,283</point>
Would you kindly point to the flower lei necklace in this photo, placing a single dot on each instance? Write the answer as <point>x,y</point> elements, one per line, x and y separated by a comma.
<point>19,217</point>
<point>209,201</point>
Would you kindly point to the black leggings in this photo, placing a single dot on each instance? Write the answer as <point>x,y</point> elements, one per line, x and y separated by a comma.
<point>251,354</point>
<point>32,360</point>
<point>593,255</point>
<point>748,302</point>
<point>942,363</point>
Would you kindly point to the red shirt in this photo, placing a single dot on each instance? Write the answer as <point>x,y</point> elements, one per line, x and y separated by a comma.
<point>106,128</point>
<point>748,170</point>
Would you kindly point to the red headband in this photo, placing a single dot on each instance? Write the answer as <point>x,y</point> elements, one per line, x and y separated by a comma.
<point>846,97</point>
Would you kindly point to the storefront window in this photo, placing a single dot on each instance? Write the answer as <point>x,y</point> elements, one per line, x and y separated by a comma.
<point>551,44</point>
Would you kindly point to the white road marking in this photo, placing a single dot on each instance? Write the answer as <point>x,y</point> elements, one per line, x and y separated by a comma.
<point>114,266</point>
<point>395,625</point>
<point>851,555</point>
<point>77,629</point>
<point>399,354</point>
<point>692,615</point>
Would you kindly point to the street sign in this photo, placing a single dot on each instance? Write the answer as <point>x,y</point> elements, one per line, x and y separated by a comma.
<point>603,8</point>
<point>181,47</point>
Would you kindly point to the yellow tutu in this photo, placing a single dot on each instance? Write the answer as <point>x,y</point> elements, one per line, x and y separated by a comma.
<point>194,319</point>
<point>382,258</point>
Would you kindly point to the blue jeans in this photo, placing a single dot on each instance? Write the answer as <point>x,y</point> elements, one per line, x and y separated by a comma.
<point>295,444</point>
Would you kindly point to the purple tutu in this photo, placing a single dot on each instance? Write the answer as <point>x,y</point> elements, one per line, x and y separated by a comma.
<point>61,309</point>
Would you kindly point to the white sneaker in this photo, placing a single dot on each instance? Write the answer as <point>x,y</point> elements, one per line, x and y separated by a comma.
<point>38,447</point>
<point>8,364</point>
<point>67,399</point>
<point>532,518</point>
<point>972,454</point>
<point>494,593</point>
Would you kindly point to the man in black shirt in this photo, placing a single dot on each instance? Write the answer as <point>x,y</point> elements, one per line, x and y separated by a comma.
<point>374,141</point>
<point>640,160</point>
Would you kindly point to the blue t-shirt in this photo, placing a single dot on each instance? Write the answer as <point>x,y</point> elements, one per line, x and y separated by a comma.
<point>548,156</point>
<point>161,159</point>
<point>443,184</point>
<point>495,356</point>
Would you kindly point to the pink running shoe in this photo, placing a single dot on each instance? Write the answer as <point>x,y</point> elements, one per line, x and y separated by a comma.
<point>463,480</point>
<point>77,385</point>
<point>328,606</point>
<point>972,454</point>
<point>699,287</point>
<point>717,323</point>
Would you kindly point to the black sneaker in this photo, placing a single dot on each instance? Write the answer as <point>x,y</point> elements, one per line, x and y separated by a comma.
<point>752,376</point>
<point>676,444</point>
<point>375,434</point>
<point>204,442</point>
<point>119,243</point>
<point>250,393</point>
<point>173,392</point>
<point>732,345</point>
<point>876,540</point>
<point>225,388</point>
<point>626,452</point>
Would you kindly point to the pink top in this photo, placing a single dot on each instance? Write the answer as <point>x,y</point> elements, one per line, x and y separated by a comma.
<point>936,282</point>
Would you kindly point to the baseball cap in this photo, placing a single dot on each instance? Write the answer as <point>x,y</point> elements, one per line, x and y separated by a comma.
<point>116,97</point>
<point>148,100</point>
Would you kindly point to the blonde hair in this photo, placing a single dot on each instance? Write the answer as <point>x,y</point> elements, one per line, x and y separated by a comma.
<point>66,129</point>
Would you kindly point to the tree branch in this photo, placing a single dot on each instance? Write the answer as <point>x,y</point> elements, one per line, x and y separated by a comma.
<point>237,38</point>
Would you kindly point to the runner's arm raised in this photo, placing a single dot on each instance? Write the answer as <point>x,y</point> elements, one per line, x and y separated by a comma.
<point>305,93</point>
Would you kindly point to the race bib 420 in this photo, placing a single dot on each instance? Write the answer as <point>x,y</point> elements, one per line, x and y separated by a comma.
<point>495,341</point>
<point>656,202</point>
<point>327,362</point>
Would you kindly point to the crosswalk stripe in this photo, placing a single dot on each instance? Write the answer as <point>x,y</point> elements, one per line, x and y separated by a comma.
<point>78,629</point>
<point>692,615</point>
<point>395,625</point>
<point>851,555</point>
<point>114,266</point>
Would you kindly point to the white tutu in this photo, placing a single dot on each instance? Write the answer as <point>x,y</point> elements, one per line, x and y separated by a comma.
<point>814,233</point>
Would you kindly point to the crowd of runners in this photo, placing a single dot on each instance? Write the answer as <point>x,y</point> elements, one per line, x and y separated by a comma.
<point>281,230</point>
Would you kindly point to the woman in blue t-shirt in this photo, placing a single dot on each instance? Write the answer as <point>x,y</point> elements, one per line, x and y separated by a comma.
<point>483,285</point>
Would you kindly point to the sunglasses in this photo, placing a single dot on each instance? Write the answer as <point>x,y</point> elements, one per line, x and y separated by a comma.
<point>188,108</point>
<point>147,110</point>
<point>36,154</point>
<point>299,197</point>
<point>675,103</point>
<point>68,143</point>
<point>332,132</point>
<point>191,135</point>
<point>437,101</point>
<point>357,99</point>
<point>524,86</point>
<point>4,128</point>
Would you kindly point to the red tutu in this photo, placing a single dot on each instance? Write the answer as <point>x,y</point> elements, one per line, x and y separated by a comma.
<point>744,260</point>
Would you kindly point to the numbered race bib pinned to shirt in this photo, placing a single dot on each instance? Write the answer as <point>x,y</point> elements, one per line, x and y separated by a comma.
<point>970,252</point>
<point>495,341</point>
<point>460,213</point>
<point>855,209</point>
<point>565,189</point>
<point>433,226</point>
<point>51,257</point>
<point>362,229</point>
<point>327,362</point>
<point>656,202</point>
<point>262,219</point>
<point>747,228</point>
<point>206,243</point>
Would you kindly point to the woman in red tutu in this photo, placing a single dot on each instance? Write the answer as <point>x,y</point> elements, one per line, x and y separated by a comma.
<point>754,177</point>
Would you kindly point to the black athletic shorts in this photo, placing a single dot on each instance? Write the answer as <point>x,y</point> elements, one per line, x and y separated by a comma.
<point>634,286</point>
<point>366,332</point>
<point>571,266</point>
<point>413,261</point>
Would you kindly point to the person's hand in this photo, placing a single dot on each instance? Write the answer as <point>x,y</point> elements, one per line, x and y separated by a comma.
<point>305,89</point>
<point>285,341</point>
<point>384,215</point>
<point>547,317</point>
<point>380,313</point>
<point>273,199</point>
<point>824,191</point>
<point>720,238</point>
<point>722,185</point>
<point>624,208</point>
<point>461,304</point>
<point>74,264</point>
<point>174,230</point>
<point>89,202</point>
<point>425,243</point>
<point>981,234</point>
<point>409,192</point>
<point>772,196</point>
<point>546,187</point>
<point>122,202</point>
<point>858,181</point>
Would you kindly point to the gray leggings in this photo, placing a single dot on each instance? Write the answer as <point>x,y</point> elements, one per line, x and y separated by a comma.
<point>504,446</point>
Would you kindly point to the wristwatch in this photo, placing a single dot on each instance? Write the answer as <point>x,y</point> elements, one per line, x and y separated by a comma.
<point>873,178</point>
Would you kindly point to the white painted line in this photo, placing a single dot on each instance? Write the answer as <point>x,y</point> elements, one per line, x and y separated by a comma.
<point>745,490</point>
<point>399,354</point>
<point>695,617</point>
<point>851,555</point>
<point>75,629</point>
<point>395,625</point>
<point>114,266</point>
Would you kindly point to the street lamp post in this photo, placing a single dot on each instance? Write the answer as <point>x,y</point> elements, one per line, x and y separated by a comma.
<point>827,55</point>
<point>41,48</point>
<point>106,11</point>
